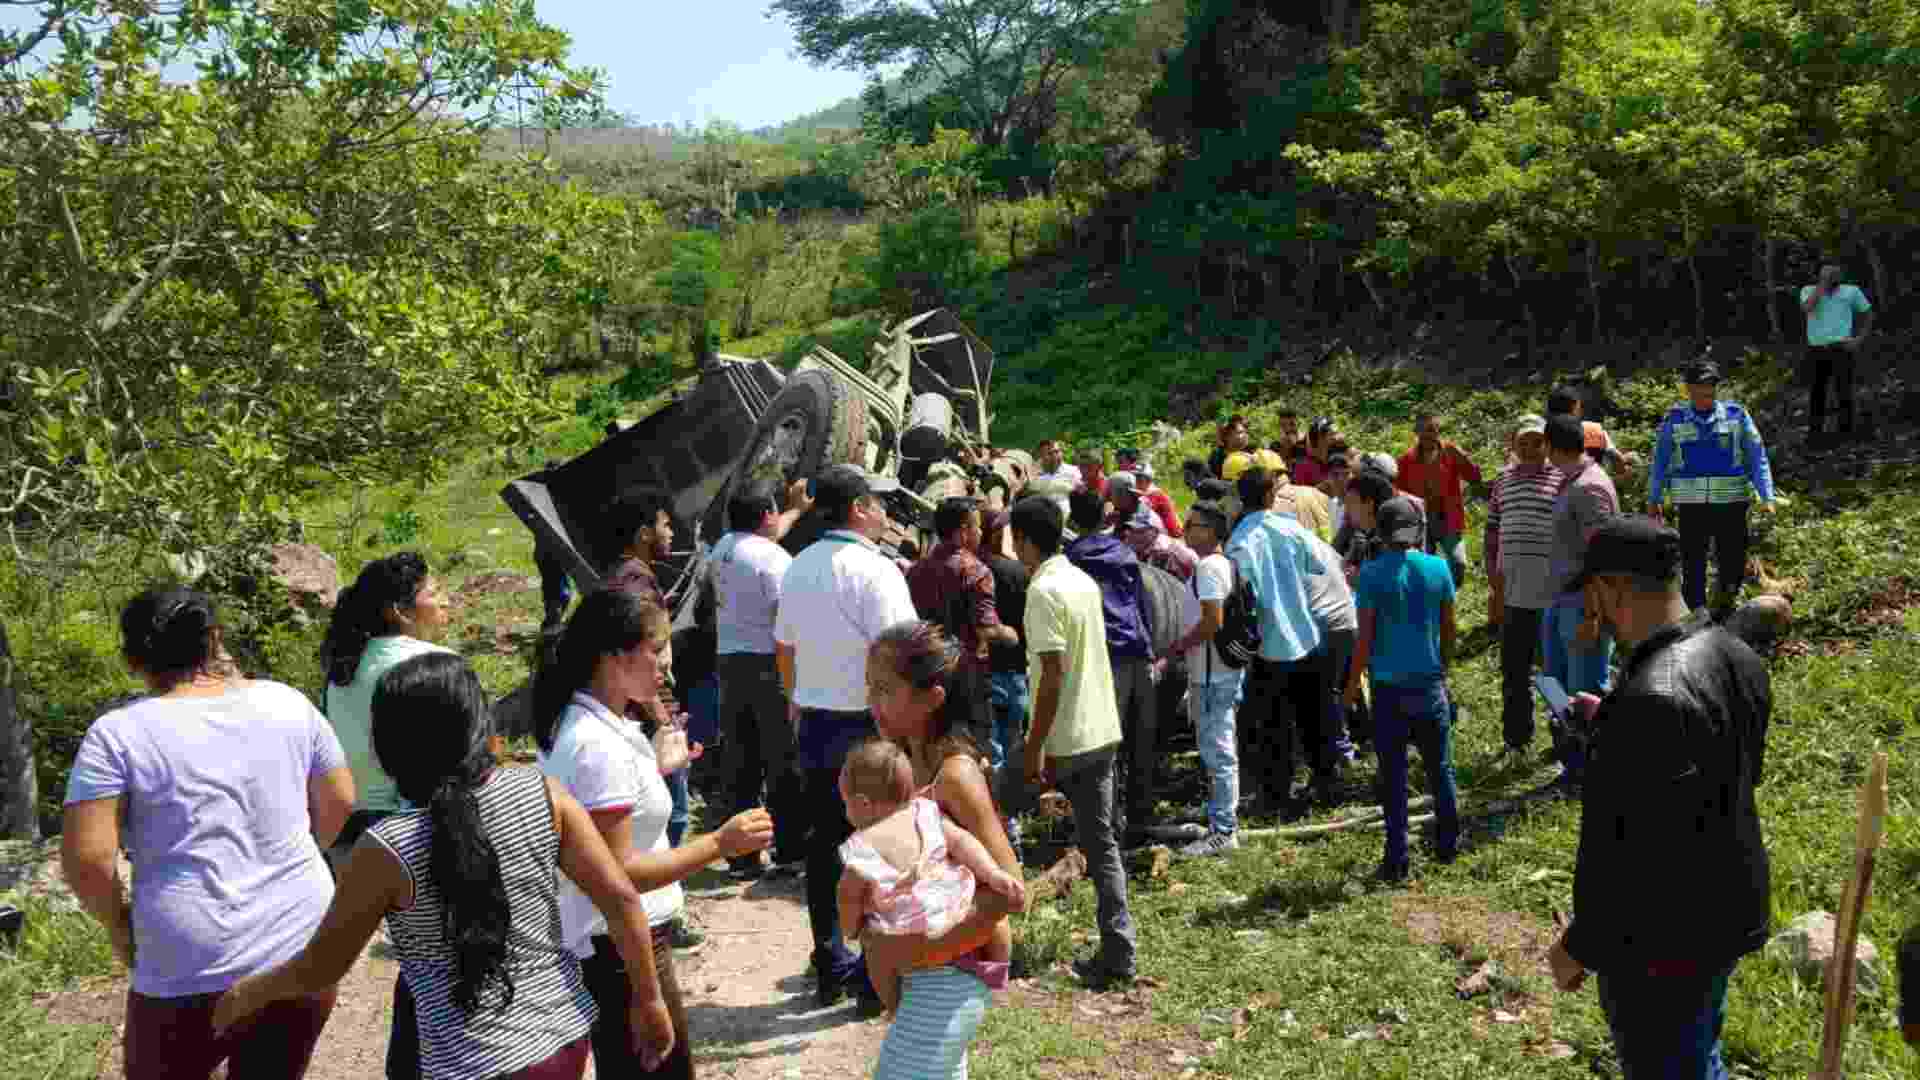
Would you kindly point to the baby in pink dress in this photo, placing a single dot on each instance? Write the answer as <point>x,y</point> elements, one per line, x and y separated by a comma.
<point>909,870</point>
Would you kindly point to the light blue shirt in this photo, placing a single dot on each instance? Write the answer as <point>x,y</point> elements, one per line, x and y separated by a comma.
<point>1274,554</point>
<point>747,571</point>
<point>1832,317</point>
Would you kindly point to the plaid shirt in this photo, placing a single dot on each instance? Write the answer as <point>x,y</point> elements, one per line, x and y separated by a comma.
<point>952,587</point>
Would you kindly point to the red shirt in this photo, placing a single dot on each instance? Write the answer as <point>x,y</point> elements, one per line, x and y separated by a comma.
<point>1439,483</point>
<point>952,587</point>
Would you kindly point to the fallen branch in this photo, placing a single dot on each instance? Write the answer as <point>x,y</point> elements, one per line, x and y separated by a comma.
<point>1375,818</point>
<point>1846,930</point>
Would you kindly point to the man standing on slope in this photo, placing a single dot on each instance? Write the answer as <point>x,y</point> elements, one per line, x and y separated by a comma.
<point>1706,454</point>
<point>1576,646</point>
<point>1213,686</point>
<point>1519,547</point>
<point>1834,337</point>
<point>1076,724</point>
<point>1671,885</point>
<point>756,721</point>
<point>1434,470</point>
<point>836,598</point>
<point>1285,707</point>
<point>1106,559</point>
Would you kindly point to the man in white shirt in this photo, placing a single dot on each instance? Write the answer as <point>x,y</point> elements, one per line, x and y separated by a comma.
<point>1213,687</point>
<point>835,599</point>
<point>1838,321</point>
<point>1056,479</point>
<point>756,743</point>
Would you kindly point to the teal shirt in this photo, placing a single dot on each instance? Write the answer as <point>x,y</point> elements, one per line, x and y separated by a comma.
<point>350,711</point>
<point>1406,591</point>
<point>1832,318</point>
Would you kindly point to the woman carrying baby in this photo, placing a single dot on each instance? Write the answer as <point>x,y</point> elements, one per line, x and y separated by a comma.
<point>942,983</point>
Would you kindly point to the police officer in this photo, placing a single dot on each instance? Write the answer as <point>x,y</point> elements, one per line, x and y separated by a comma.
<point>1709,458</point>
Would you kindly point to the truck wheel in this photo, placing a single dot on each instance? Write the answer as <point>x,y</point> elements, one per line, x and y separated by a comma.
<point>816,420</point>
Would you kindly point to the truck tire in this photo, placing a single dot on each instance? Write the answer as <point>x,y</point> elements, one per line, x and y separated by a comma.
<point>816,420</point>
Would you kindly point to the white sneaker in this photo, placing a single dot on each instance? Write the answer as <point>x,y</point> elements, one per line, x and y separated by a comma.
<point>1218,843</point>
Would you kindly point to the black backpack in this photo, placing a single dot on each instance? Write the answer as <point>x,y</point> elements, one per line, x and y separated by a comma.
<point>1238,639</point>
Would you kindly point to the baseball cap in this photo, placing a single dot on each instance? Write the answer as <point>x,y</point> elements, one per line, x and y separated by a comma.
<point>1320,426</point>
<point>1531,424</point>
<point>1630,544</point>
<point>1337,461</point>
<point>1144,469</point>
<point>1127,453</point>
<point>1210,513</point>
<point>838,486</point>
<point>1701,371</point>
<point>1122,481</point>
<point>1398,522</point>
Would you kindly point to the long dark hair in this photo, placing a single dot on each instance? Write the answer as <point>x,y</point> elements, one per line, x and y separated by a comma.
<point>171,632</point>
<point>606,622</point>
<point>927,656</point>
<point>430,727</point>
<point>360,615</point>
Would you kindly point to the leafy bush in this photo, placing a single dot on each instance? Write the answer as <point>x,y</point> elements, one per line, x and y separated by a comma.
<point>926,259</point>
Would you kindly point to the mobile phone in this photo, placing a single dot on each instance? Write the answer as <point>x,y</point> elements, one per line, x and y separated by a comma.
<point>1555,695</point>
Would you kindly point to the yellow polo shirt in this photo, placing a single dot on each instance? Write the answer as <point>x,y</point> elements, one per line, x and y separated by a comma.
<point>1064,616</point>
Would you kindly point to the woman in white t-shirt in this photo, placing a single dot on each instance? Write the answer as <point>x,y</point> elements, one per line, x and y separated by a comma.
<point>616,650</point>
<point>392,612</point>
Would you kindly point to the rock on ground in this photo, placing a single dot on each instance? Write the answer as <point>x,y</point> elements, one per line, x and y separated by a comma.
<point>309,574</point>
<point>1807,944</point>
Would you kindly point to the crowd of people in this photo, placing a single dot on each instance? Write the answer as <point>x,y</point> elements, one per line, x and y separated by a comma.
<point>886,723</point>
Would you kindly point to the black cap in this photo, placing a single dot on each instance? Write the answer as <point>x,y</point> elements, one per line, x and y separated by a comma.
<point>838,486</point>
<point>1397,522</point>
<point>1209,513</point>
<point>1320,426</point>
<point>1127,453</point>
<point>1630,544</point>
<point>1701,371</point>
<point>1337,461</point>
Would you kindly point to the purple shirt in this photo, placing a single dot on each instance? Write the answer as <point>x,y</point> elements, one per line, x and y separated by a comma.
<point>227,879</point>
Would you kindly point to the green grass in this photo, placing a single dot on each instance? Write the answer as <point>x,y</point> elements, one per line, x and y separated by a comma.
<point>58,949</point>
<point>1290,932</point>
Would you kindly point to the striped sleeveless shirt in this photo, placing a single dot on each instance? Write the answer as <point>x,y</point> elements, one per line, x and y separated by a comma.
<point>551,1004</point>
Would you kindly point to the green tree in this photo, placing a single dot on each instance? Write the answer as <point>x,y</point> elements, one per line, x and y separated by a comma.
<point>1000,60</point>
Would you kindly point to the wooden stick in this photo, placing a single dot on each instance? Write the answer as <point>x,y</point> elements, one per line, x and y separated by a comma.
<point>1846,930</point>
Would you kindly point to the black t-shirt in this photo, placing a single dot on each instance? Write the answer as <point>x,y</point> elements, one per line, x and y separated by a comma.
<point>1010,598</point>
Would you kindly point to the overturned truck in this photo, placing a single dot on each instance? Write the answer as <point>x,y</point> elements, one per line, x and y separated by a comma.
<point>919,413</point>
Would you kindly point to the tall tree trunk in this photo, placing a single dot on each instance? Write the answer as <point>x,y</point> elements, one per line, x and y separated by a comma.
<point>1882,294</point>
<point>19,795</point>
<point>1526,304</point>
<point>1699,297</point>
<point>1593,286</point>
<point>1768,251</point>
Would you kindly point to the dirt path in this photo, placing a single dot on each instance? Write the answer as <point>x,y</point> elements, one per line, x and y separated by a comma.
<point>749,998</point>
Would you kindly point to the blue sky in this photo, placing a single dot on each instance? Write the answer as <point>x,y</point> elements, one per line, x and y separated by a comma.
<point>694,61</point>
<point>686,62</point>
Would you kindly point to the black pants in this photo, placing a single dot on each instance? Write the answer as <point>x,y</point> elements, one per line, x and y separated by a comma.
<point>1137,697</point>
<point>606,978</point>
<point>1519,647</point>
<point>1280,722</point>
<point>1831,365</point>
<point>827,816</point>
<point>756,745</point>
<point>1725,525</point>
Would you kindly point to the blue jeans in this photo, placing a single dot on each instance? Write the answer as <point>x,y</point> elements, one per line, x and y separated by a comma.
<point>1422,714</point>
<point>1667,1027</point>
<point>1579,667</point>
<point>703,707</point>
<point>1007,694</point>
<point>1213,705</point>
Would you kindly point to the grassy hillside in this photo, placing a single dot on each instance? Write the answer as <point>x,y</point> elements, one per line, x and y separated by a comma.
<point>1282,960</point>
